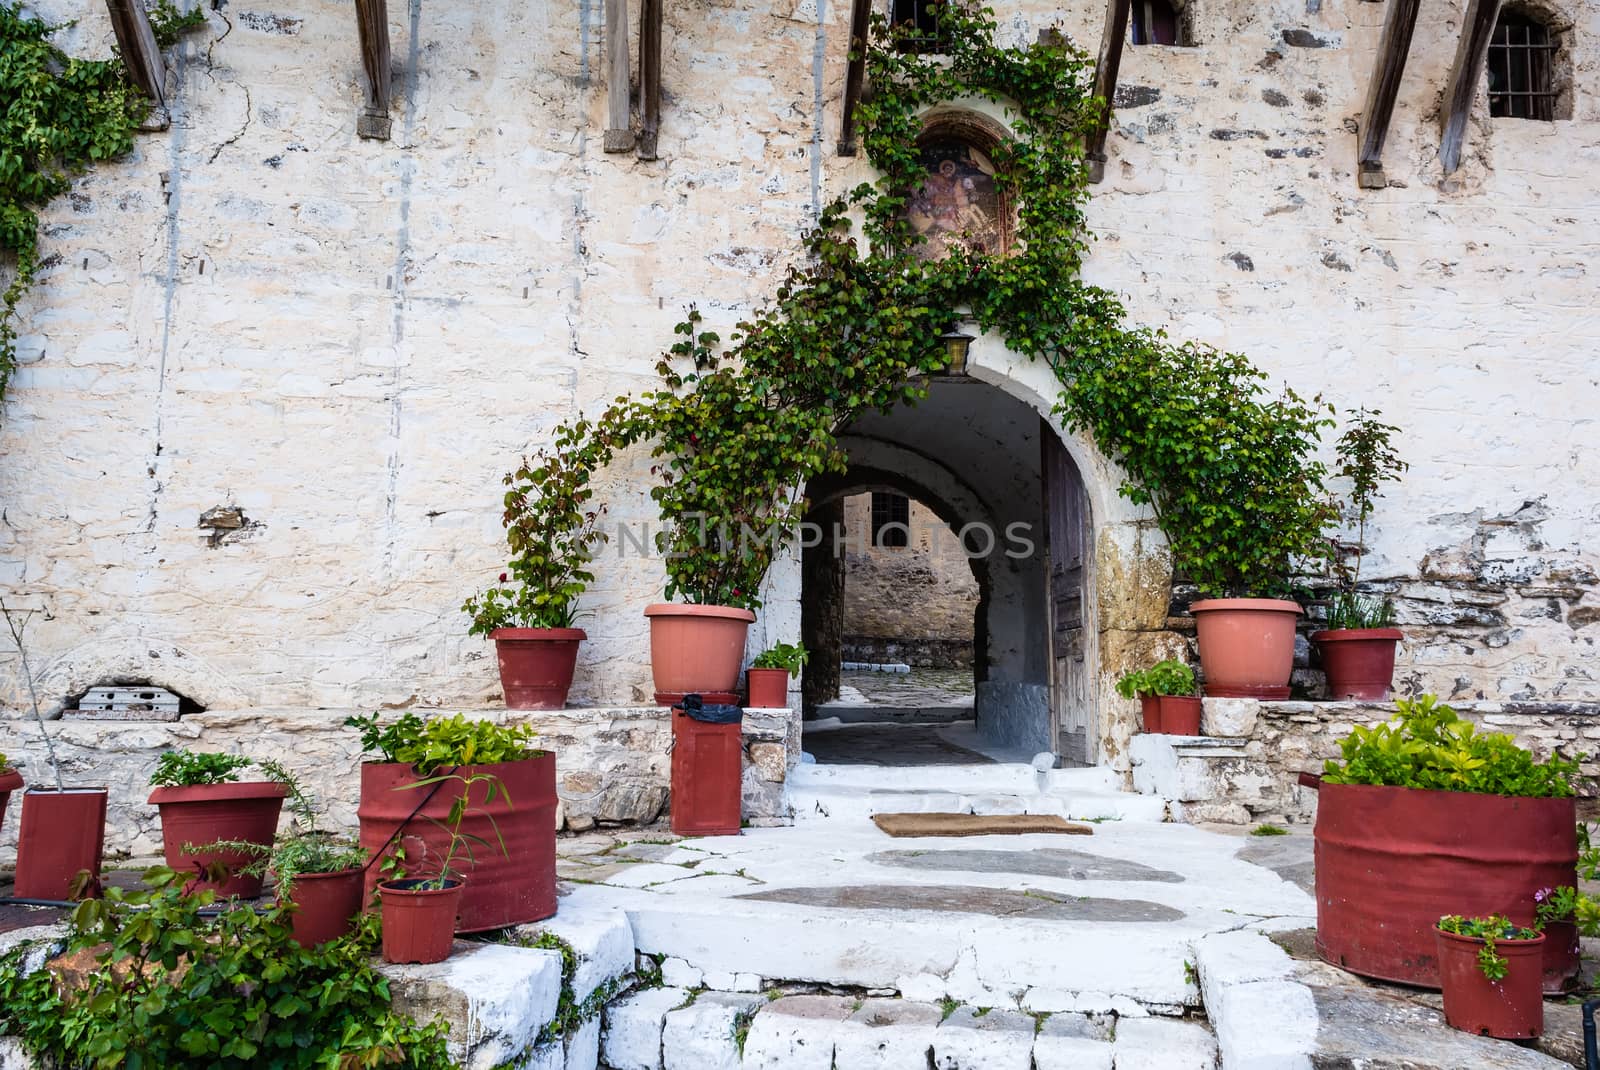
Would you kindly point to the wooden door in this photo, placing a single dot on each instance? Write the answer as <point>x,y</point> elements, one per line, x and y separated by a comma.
<point>1067,535</point>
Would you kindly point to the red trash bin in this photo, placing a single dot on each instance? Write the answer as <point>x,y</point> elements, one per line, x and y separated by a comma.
<point>707,769</point>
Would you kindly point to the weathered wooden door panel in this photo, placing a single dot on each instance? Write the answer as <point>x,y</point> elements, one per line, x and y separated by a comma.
<point>1067,534</point>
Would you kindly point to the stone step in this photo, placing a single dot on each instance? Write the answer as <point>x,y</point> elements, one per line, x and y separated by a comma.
<point>685,1029</point>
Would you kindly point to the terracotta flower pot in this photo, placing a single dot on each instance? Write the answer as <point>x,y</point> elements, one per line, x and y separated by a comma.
<point>62,834</point>
<point>1390,862</point>
<point>769,688</point>
<point>536,665</point>
<point>1511,1008</point>
<point>1359,662</point>
<point>10,781</point>
<point>205,813</point>
<point>419,924</point>
<point>1150,710</point>
<point>325,906</point>
<point>499,889</point>
<point>1246,646</point>
<point>1180,715</point>
<point>696,649</point>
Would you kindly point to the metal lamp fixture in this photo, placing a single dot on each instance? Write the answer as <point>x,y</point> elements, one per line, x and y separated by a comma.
<point>955,349</point>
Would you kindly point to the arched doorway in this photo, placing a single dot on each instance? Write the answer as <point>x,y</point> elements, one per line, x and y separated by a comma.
<point>998,476</point>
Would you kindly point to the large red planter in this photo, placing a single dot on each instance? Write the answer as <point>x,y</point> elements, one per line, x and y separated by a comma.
<point>1511,1008</point>
<point>500,888</point>
<point>325,905</point>
<point>536,665</point>
<point>1359,662</point>
<point>205,813</point>
<point>707,776</point>
<point>1175,715</point>
<point>1246,646</point>
<point>419,924</point>
<point>769,688</point>
<point>62,834</point>
<point>10,781</point>
<point>696,650</point>
<point>1390,862</point>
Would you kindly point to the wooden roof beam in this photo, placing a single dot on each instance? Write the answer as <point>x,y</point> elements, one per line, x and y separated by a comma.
<point>619,80</point>
<point>372,24</point>
<point>1105,84</point>
<point>649,77</point>
<point>141,57</point>
<point>1465,76</point>
<point>1394,44</point>
<point>855,75</point>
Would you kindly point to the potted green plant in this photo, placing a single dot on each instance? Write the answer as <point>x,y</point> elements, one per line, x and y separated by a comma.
<point>318,874</point>
<point>1489,969</point>
<point>10,780</point>
<point>420,913</point>
<point>499,889</point>
<point>1168,697</point>
<point>551,532</point>
<point>1357,644</point>
<point>1425,816</point>
<point>768,676</point>
<point>203,802</point>
<point>61,834</point>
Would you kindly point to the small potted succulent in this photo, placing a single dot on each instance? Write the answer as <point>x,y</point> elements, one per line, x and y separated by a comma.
<point>10,780</point>
<point>552,534</point>
<point>419,913</point>
<point>1357,645</point>
<point>770,673</point>
<point>1168,697</point>
<point>1490,971</point>
<point>203,802</point>
<point>318,874</point>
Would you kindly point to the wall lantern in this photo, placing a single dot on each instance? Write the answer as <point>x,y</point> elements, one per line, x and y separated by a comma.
<point>955,349</point>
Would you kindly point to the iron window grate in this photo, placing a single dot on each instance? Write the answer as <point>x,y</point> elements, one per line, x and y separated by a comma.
<point>1521,74</point>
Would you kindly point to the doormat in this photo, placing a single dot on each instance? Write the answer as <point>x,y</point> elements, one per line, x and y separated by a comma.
<point>976,824</point>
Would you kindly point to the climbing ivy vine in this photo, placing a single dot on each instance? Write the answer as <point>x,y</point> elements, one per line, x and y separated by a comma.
<point>738,424</point>
<point>58,115</point>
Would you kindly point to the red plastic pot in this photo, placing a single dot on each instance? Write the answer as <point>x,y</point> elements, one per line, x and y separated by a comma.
<point>1150,710</point>
<point>1391,861</point>
<point>707,772</point>
<point>536,665</point>
<point>1173,715</point>
<point>205,813</point>
<point>325,905</point>
<point>696,650</point>
<point>500,888</point>
<point>62,834</point>
<point>1511,1008</point>
<point>419,924</point>
<point>1359,662</point>
<point>1246,646</point>
<point>769,688</point>
<point>10,781</point>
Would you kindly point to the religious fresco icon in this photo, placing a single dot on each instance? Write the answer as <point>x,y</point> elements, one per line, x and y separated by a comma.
<point>959,204</point>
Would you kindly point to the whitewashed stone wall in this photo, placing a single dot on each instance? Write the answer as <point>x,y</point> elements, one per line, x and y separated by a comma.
<point>350,341</point>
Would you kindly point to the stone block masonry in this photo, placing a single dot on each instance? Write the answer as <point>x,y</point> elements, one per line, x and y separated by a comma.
<point>613,766</point>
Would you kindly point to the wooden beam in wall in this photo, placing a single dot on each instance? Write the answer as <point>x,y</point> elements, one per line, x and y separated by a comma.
<point>141,56</point>
<point>855,75</point>
<point>1105,83</point>
<point>1465,77</point>
<point>619,73</point>
<point>649,77</point>
<point>372,23</point>
<point>1394,44</point>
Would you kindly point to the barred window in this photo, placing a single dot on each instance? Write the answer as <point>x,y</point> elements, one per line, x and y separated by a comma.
<point>921,17</point>
<point>891,519</point>
<point>1155,22</point>
<point>1521,69</point>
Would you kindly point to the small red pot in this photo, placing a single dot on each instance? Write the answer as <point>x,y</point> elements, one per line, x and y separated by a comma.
<point>536,665</point>
<point>1359,662</point>
<point>418,924</point>
<point>769,688</point>
<point>10,781</point>
<point>1173,715</point>
<point>1150,709</point>
<point>62,834</point>
<point>1511,1008</point>
<point>325,906</point>
<point>204,813</point>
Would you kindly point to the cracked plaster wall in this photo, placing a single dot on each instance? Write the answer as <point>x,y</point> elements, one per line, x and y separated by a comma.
<point>350,341</point>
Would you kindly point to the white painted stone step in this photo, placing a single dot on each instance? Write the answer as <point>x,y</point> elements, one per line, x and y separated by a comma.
<point>857,791</point>
<point>998,777</point>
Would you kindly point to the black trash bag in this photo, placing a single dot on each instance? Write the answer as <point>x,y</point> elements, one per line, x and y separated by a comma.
<point>715,713</point>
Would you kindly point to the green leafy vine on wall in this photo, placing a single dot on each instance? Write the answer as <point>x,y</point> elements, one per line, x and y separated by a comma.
<point>738,425</point>
<point>60,115</point>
